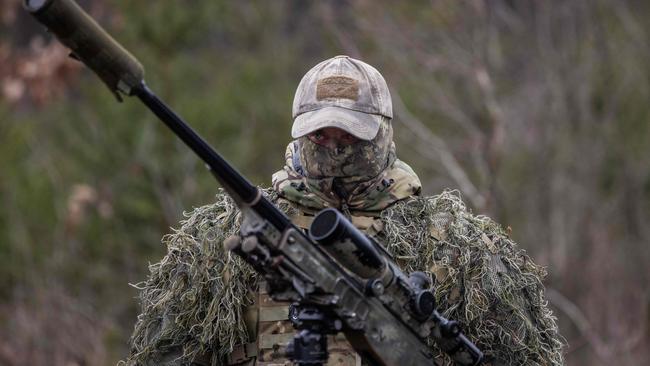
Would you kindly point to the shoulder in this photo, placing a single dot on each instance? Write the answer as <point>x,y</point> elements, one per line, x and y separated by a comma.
<point>184,302</point>
<point>444,220</point>
<point>441,235</point>
<point>222,214</point>
<point>482,278</point>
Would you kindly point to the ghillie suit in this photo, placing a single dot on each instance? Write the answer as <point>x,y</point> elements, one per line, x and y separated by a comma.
<point>195,302</point>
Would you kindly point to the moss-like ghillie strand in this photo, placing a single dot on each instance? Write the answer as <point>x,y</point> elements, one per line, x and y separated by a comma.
<point>193,301</point>
<point>195,296</point>
<point>483,279</point>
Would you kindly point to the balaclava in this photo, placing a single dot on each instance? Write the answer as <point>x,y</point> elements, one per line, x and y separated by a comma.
<point>350,95</point>
<point>360,161</point>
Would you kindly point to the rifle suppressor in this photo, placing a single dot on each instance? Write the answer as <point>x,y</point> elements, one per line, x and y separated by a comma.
<point>89,43</point>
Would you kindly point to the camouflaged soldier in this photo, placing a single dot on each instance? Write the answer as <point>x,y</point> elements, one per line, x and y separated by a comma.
<point>203,306</point>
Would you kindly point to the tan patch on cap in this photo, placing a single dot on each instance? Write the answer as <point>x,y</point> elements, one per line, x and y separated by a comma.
<point>337,87</point>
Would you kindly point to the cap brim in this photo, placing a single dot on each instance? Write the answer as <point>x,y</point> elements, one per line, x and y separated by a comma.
<point>361,125</point>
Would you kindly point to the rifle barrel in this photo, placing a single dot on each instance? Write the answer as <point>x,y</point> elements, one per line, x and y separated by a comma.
<point>231,180</point>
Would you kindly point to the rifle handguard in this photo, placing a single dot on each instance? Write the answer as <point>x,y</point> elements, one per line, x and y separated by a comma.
<point>89,43</point>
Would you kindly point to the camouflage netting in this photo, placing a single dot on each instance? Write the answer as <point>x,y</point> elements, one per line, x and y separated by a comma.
<point>192,302</point>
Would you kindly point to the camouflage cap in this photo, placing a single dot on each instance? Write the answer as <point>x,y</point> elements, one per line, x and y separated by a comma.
<point>341,92</point>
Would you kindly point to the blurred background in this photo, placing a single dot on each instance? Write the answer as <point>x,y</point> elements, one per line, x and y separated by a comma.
<point>537,111</point>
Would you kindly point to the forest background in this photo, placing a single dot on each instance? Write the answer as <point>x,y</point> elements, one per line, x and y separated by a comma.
<point>538,112</point>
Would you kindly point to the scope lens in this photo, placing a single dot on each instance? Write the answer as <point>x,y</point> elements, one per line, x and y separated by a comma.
<point>424,304</point>
<point>35,5</point>
<point>324,224</point>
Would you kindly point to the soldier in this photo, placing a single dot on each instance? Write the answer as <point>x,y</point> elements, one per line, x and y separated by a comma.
<point>204,306</point>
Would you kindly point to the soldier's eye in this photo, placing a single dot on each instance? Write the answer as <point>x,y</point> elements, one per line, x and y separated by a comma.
<point>348,139</point>
<point>318,136</point>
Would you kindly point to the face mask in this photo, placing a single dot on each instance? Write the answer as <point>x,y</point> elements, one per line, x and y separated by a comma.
<point>360,161</point>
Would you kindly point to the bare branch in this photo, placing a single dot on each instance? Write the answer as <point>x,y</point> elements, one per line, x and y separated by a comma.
<point>604,350</point>
<point>439,150</point>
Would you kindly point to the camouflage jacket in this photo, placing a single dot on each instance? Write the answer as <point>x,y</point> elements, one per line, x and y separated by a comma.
<point>195,299</point>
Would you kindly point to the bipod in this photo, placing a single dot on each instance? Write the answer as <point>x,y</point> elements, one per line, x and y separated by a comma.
<point>314,324</point>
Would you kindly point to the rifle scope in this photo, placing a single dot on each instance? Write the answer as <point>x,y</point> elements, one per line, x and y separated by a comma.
<point>347,244</point>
